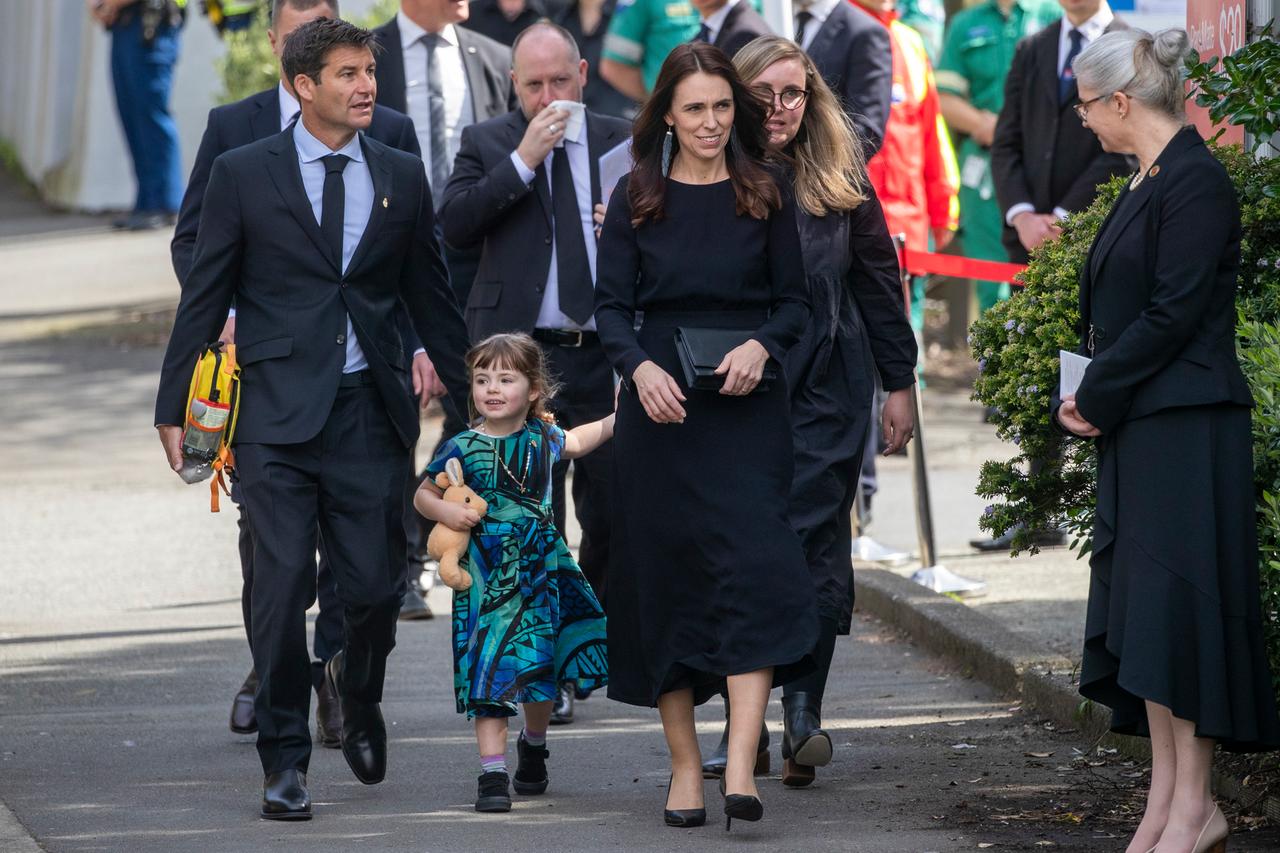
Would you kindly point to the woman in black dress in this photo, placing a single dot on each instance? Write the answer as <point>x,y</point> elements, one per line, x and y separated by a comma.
<point>1173,635</point>
<point>704,558</point>
<point>857,323</point>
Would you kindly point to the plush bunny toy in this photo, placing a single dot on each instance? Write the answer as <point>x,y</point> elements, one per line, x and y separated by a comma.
<point>445,544</point>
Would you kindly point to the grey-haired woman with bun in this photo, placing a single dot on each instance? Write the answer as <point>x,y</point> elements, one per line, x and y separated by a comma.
<point>1173,635</point>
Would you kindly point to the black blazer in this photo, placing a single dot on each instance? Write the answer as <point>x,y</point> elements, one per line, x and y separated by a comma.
<point>248,120</point>
<point>259,244</point>
<point>740,26</point>
<point>853,54</point>
<point>1158,292</point>
<point>487,63</point>
<point>1042,154</point>
<point>487,204</point>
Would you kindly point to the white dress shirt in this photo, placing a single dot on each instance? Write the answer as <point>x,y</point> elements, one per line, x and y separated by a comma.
<point>715,22</point>
<point>820,10</point>
<point>1091,30</point>
<point>458,109</point>
<point>549,315</point>
<point>358,186</point>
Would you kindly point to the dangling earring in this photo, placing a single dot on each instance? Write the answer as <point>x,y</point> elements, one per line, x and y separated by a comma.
<point>666,153</point>
<point>733,129</point>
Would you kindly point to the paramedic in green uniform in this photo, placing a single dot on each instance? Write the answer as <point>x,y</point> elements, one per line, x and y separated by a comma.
<point>928,18</point>
<point>976,55</point>
<point>641,34</point>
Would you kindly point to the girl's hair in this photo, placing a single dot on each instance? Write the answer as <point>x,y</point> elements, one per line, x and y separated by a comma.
<point>831,168</point>
<point>520,353</point>
<point>753,186</point>
<point>1147,68</point>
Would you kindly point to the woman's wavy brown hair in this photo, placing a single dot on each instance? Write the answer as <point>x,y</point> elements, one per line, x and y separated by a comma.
<point>830,169</point>
<point>520,353</point>
<point>753,186</point>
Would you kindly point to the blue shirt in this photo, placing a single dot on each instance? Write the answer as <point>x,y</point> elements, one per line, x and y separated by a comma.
<point>358,184</point>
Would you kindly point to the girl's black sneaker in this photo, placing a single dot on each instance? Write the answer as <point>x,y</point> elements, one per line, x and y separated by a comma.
<point>493,793</point>
<point>531,772</point>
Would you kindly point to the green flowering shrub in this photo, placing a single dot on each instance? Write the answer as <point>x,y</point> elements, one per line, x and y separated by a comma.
<point>249,66</point>
<point>1016,346</point>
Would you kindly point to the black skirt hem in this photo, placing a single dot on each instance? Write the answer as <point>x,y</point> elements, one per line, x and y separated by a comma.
<point>707,685</point>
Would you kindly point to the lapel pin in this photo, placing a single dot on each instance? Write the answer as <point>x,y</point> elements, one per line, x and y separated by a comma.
<point>1155,170</point>
<point>384,201</point>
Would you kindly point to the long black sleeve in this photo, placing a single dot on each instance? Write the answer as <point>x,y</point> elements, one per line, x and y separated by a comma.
<point>875,286</point>
<point>617,273</point>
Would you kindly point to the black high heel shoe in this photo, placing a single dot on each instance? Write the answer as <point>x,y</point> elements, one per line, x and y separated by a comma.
<point>741,806</point>
<point>682,818</point>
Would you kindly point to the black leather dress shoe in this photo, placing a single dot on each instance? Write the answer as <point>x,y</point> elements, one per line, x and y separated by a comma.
<point>562,710</point>
<point>328,717</point>
<point>364,733</point>
<point>413,606</point>
<point>244,721</point>
<point>285,796</point>
<point>804,744</point>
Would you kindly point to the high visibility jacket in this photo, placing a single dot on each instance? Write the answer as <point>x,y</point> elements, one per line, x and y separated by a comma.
<point>914,173</point>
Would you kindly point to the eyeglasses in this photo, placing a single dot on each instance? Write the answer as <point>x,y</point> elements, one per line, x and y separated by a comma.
<point>789,98</point>
<point>1082,108</point>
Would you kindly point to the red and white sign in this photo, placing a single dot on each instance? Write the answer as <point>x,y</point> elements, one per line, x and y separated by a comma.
<point>1216,28</point>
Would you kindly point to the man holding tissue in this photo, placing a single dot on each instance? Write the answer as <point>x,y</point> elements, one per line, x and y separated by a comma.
<point>523,189</point>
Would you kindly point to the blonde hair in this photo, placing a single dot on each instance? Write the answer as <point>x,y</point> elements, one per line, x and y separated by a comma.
<point>520,353</point>
<point>831,168</point>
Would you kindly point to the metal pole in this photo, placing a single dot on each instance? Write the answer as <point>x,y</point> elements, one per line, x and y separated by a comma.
<point>930,574</point>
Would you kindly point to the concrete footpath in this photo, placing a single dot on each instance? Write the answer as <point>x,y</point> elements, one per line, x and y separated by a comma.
<point>121,644</point>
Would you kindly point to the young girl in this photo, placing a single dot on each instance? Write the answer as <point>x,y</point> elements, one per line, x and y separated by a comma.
<point>529,621</point>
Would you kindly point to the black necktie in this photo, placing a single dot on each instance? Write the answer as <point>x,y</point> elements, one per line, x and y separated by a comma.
<point>704,34</point>
<point>333,204</point>
<point>802,21</point>
<point>577,296</point>
<point>1067,77</point>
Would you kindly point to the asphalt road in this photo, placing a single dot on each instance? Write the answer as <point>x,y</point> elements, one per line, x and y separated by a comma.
<point>121,645</point>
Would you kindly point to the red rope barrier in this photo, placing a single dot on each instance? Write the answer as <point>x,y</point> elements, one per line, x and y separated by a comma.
<point>955,266</point>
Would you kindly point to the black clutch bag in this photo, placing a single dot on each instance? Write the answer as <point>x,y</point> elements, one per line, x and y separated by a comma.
<point>702,350</point>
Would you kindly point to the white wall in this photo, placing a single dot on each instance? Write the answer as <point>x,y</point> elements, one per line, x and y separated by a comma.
<point>57,108</point>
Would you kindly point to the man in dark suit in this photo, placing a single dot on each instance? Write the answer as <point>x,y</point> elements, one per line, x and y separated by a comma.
<point>852,51</point>
<point>258,117</point>
<point>729,24</point>
<point>445,78</point>
<point>524,188</point>
<point>320,235</point>
<point>1045,163</point>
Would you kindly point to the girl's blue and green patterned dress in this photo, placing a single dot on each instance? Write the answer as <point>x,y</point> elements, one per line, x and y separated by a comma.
<point>530,619</point>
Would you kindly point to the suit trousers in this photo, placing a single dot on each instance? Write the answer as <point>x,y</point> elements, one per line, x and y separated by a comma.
<point>347,485</point>
<point>328,626</point>
<point>586,395</point>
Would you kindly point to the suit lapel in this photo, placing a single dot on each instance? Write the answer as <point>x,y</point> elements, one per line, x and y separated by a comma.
<point>391,79</point>
<point>380,172</point>
<point>285,173</point>
<point>1049,63</point>
<point>828,33</point>
<point>477,82</point>
<point>541,186</point>
<point>1115,223</point>
<point>726,26</point>
<point>266,121</point>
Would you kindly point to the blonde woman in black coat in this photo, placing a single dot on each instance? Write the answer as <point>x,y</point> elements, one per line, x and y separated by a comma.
<point>1173,635</point>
